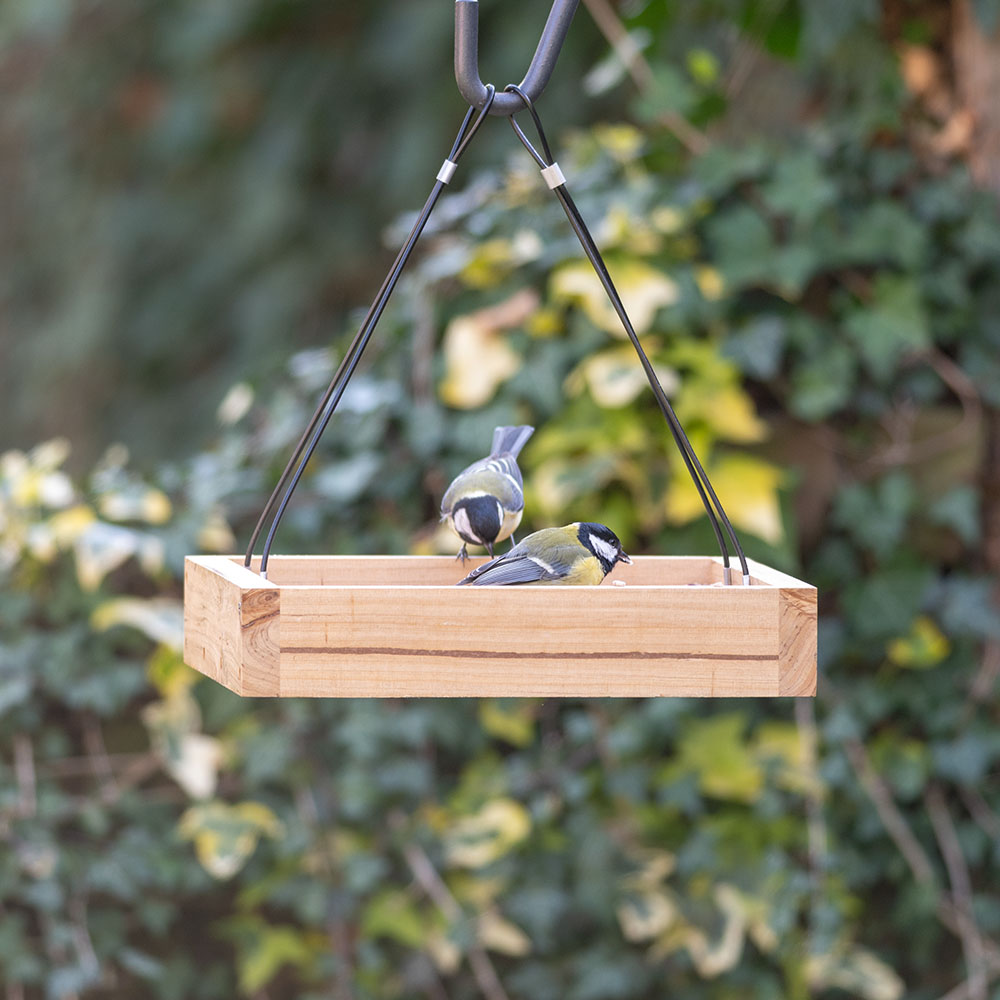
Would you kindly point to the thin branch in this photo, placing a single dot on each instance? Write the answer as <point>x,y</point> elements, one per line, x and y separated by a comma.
<point>819,861</point>
<point>422,371</point>
<point>93,740</point>
<point>962,991</point>
<point>908,845</point>
<point>69,766</point>
<point>980,811</point>
<point>983,684</point>
<point>907,452</point>
<point>609,23</point>
<point>892,819</point>
<point>427,877</point>
<point>81,937</point>
<point>337,931</point>
<point>805,720</point>
<point>24,768</point>
<point>961,888</point>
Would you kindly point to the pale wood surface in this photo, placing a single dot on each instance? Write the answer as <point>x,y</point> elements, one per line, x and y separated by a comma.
<point>445,571</point>
<point>396,626</point>
<point>231,623</point>
<point>797,642</point>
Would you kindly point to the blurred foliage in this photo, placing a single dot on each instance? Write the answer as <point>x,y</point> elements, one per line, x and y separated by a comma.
<point>174,177</point>
<point>820,294</point>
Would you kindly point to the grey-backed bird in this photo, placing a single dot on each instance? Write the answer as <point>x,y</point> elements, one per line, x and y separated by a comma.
<point>485,501</point>
<point>580,554</point>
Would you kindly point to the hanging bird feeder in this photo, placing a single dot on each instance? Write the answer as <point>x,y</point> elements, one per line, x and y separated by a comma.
<point>397,626</point>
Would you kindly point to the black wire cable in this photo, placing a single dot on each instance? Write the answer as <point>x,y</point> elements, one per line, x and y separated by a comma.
<point>366,324</point>
<point>695,469</point>
<point>296,465</point>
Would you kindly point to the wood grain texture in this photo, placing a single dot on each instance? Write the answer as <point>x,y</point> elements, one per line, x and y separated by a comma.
<point>445,571</point>
<point>797,643</point>
<point>231,625</point>
<point>396,626</point>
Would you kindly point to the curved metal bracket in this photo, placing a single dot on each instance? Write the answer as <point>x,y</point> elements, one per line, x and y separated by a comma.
<point>542,63</point>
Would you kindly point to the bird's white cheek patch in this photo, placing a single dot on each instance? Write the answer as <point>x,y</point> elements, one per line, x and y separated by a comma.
<point>604,549</point>
<point>462,525</point>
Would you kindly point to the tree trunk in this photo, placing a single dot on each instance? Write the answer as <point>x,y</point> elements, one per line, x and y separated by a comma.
<point>977,82</point>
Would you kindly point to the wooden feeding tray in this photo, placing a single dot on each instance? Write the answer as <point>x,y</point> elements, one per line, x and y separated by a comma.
<point>396,626</point>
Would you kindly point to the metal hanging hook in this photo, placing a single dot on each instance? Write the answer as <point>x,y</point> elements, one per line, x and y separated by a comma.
<point>543,61</point>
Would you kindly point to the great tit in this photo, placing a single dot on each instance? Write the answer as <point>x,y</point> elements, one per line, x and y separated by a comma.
<point>485,502</point>
<point>581,554</point>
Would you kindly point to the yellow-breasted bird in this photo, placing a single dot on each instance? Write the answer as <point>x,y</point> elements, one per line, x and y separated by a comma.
<point>485,501</point>
<point>580,554</point>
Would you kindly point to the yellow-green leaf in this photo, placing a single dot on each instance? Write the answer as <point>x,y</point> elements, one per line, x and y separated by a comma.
<point>161,618</point>
<point>646,916</point>
<point>512,721</point>
<point>264,949</point>
<point>782,741</point>
<point>726,409</point>
<point>856,971</point>
<point>714,749</point>
<point>168,672</point>
<point>215,535</point>
<point>747,487</point>
<point>925,647</point>
<point>643,289</point>
<point>477,356</point>
<point>393,914</point>
<point>137,503</point>
<point>615,377</point>
<point>103,547</point>
<point>710,283</point>
<point>225,836</point>
<point>712,958</point>
<point>478,840</point>
<point>68,525</point>
<point>500,935</point>
<point>623,142</point>
<point>235,404</point>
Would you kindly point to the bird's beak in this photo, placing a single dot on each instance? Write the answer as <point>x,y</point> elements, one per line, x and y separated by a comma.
<point>623,557</point>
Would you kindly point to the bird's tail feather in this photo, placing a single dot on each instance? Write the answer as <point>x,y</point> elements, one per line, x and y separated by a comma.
<point>510,439</point>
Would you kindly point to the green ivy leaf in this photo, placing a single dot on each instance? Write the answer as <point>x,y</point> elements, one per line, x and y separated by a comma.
<point>883,605</point>
<point>670,91</point>
<point>823,384</point>
<point>799,187</point>
<point>892,324</point>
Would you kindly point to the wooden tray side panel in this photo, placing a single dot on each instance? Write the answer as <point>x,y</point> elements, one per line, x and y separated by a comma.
<point>798,642</point>
<point>403,675</point>
<point>211,630</point>
<point>231,625</point>
<point>445,571</point>
<point>535,641</point>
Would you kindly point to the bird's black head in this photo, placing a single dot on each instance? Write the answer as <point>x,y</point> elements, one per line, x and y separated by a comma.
<point>604,543</point>
<point>478,519</point>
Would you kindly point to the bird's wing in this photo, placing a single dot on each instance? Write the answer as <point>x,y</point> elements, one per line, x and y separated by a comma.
<point>506,465</point>
<point>504,570</point>
<point>517,566</point>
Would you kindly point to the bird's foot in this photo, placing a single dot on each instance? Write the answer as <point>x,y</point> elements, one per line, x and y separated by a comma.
<point>463,554</point>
